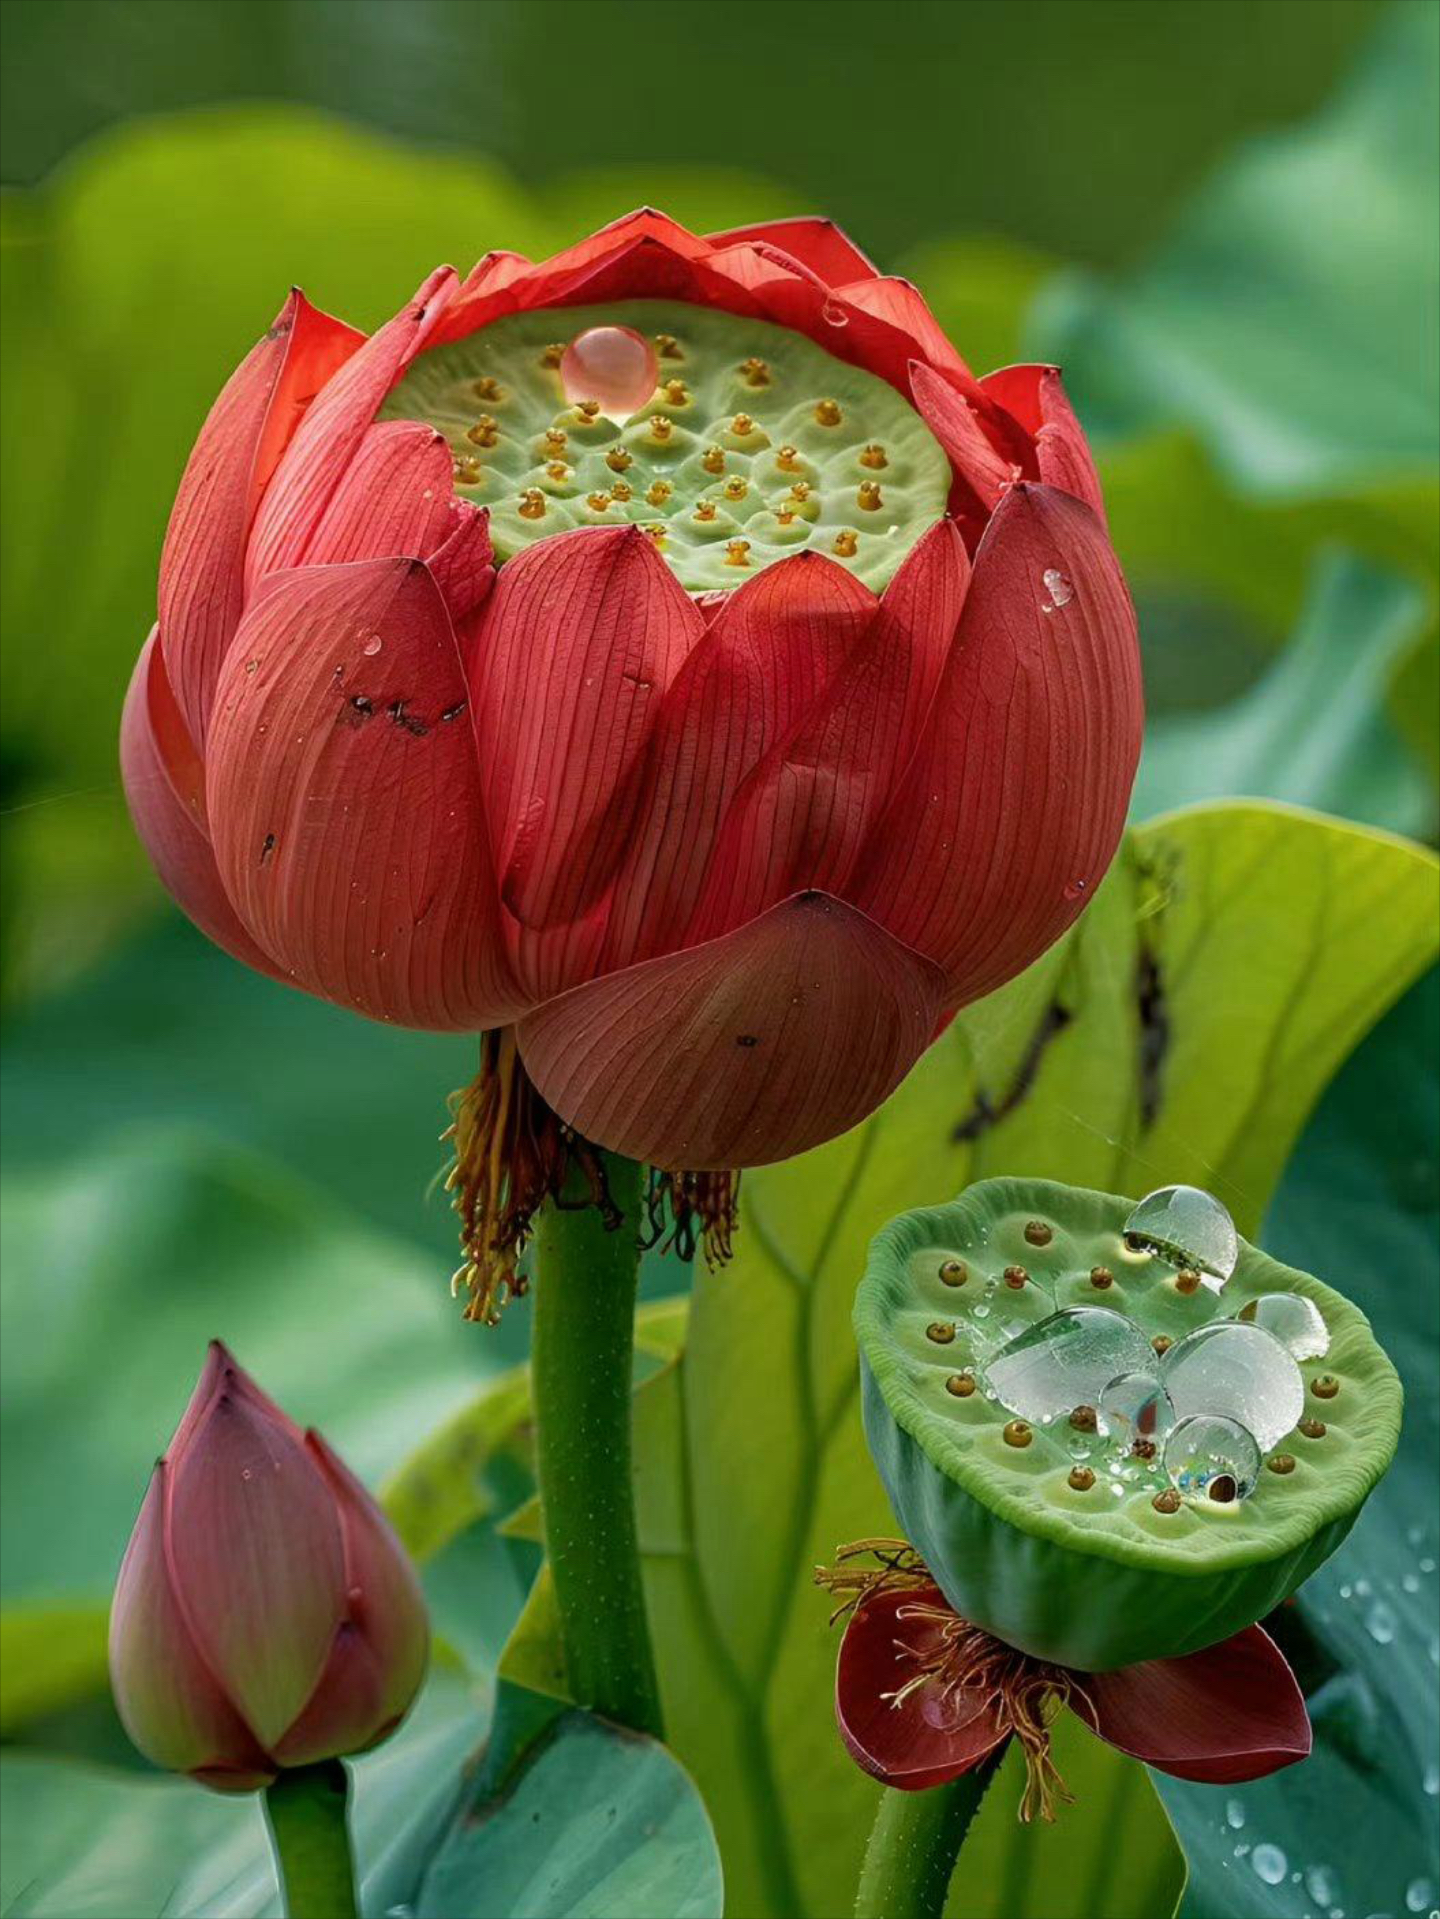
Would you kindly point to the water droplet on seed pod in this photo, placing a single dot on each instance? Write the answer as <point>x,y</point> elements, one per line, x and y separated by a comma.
<point>612,364</point>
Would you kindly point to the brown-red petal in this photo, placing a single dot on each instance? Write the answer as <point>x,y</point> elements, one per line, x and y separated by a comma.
<point>924,1740</point>
<point>1230,1713</point>
<point>726,1054</point>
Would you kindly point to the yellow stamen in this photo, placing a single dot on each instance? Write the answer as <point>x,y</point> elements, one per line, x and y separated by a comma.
<point>737,553</point>
<point>827,413</point>
<point>532,504</point>
<point>846,543</point>
<point>868,498</point>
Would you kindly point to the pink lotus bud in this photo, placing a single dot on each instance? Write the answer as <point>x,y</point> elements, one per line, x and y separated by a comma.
<point>265,1615</point>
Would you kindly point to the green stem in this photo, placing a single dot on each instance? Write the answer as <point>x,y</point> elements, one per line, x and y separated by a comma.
<point>307,1808</point>
<point>914,1843</point>
<point>581,1358</point>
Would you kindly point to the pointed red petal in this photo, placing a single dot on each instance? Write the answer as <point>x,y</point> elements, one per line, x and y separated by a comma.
<point>725,1055</point>
<point>925,1740</point>
<point>765,659</point>
<point>330,434</point>
<point>901,305</point>
<point>345,801</point>
<point>1012,808</point>
<point>801,817</point>
<point>166,1696</point>
<point>202,566</point>
<point>817,244</point>
<point>1230,1713</point>
<point>957,426</point>
<point>165,790</point>
<point>397,498</point>
<point>575,651</point>
<point>1036,397</point>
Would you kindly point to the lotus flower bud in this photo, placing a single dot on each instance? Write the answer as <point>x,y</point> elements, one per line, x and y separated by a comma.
<point>265,1615</point>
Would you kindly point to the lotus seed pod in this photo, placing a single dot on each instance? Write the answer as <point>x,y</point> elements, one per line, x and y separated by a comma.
<point>1294,1321</point>
<point>1105,1575</point>
<point>1189,1228</point>
<point>1240,1370</point>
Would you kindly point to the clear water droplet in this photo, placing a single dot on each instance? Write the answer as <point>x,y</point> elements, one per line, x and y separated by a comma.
<point>612,364</point>
<point>1430,1781</point>
<point>1419,1895</point>
<point>1059,589</point>
<point>1239,1370</point>
<point>1267,1862</point>
<point>1292,1319</point>
<point>1076,889</point>
<point>1322,1885</point>
<point>1380,1623</point>
<point>372,646</point>
<point>833,314</point>
<point>1211,1457</point>
<point>1186,1227</point>
<point>1234,1814</point>
<point>1066,1361</point>
<point>1136,1406</point>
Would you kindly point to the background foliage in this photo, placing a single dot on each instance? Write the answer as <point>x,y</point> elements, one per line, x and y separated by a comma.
<point>1228,237</point>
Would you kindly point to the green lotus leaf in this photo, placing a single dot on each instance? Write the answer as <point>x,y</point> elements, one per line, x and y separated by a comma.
<point>1079,1566</point>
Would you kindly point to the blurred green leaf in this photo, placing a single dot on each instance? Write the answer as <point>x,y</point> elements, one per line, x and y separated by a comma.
<point>1359,1204</point>
<point>598,1822</point>
<point>1230,961</point>
<point>980,288</point>
<point>1314,732</point>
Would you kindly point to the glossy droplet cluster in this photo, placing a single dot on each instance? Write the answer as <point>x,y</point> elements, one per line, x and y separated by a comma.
<point>732,442</point>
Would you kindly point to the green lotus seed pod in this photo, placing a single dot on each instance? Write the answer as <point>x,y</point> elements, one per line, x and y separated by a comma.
<point>1080,1546</point>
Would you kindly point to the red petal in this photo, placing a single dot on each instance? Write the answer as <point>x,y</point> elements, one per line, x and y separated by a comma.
<point>202,566</point>
<point>1230,1713</point>
<point>396,498</point>
<point>901,305</point>
<point>802,816</point>
<point>817,244</point>
<point>765,659</point>
<point>1012,808</point>
<point>725,1054</point>
<point>1036,397</point>
<point>255,1554</point>
<point>165,1694</point>
<point>578,644</point>
<point>378,1658</point>
<point>165,789</point>
<point>330,434</point>
<point>957,426</point>
<point>901,1744</point>
<point>345,800</point>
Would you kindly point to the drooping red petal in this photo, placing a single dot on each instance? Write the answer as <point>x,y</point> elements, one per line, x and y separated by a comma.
<point>956,424</point>
<point>1036,397</point>
<point>766,659</point>
<point>255,1555</point>
<point>819,245</point>
<point>331,432</point>
<point>728,1054</point>
<point>1230,1713</point>
<point>926,1739</point>
<point>378,1657</point>
<point>202,565</point>
<point>1008,816</point>
<point>578,644</point>
<point>167,1697</point>
<point>165,790</point>
<point>345,799</point>
<point>801,817</point>
<point>397,498</point>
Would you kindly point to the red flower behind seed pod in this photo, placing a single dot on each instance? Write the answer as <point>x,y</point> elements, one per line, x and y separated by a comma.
<point>680,846</point>
<point>265,1615</point>
<point>921,1698</point>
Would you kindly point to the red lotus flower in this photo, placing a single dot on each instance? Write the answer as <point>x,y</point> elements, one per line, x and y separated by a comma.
<point>265,1615</point>
<point>921,1697</point>
<point>684,840</point>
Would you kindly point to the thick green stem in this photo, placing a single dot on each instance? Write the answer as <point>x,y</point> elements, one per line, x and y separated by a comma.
<point>581,1357</point>
<point>307,1812</point>
<point>914,1843</point>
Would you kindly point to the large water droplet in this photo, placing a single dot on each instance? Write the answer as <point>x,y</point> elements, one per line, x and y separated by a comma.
<point>1234,1814</point>
<point>833,314</point>
<point>612,364</point>
<point>1136,1406</point>
<point>1187,1228</point>
<point>1059,589</point>
<point>1239,1370</point>
<point>1210,1457</point>
<point>1269,1863</point>
<point>372,646</point>
<point>1322,1885</point>
<point>1066,1361</point>
<point>1292,1319</point>
<point>1419,1895</point>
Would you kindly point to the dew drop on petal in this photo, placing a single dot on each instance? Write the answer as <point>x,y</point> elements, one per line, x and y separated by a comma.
<point>1211,1457</point>
<point>1065,1361</point>
<point>948,1708</point>
<point>612,364</point>
<point>1187,1228</point>
<point>1292,1319</point>
<point>1269,1863</point>
<point>1234,1814</point>
<point>372,646</point>
<point>1059,589</point>
<point>1240,1371</point>
<point>833,314</point>
<point>1380,1623</point>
